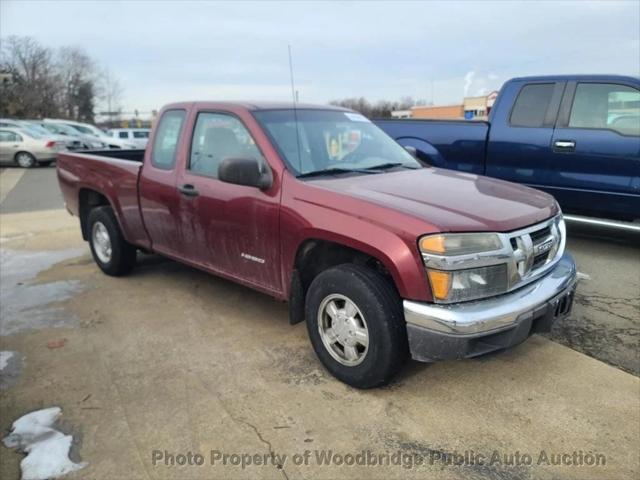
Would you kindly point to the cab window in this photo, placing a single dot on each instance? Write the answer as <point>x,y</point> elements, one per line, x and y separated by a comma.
<point>165,143</point>
<point>123,134</point>
<point>606,106</point>
<point>217,137</point>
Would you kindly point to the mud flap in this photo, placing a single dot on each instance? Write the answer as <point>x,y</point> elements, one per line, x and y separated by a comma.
<point>296,299</point>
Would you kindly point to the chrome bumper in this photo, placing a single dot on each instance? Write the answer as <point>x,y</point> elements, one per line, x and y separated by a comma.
<point>472,328</point>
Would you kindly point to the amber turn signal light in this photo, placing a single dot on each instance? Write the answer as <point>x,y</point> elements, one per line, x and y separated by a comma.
<point>440,283</point>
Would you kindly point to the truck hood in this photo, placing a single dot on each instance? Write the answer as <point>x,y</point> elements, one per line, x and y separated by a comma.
<point>449,200</point>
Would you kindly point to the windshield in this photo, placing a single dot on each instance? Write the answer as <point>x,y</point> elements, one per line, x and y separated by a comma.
<point>331,140</point>
<point>32,127</point>
<point>31,132</point>
<point>81,129</point>
<point>60,128</point>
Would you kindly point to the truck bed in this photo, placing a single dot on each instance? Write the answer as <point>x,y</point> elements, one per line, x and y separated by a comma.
<point>454,144</point>
<point>112,173</point>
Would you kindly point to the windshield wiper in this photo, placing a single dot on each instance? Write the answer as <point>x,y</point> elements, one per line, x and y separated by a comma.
<point>386,166</point>
<point>329,171</point>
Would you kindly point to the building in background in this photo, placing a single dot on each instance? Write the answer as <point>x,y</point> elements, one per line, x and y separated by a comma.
<point>478,108</point>
<point>401,114</point>
<point>448,112</point>
<point>472,108</point>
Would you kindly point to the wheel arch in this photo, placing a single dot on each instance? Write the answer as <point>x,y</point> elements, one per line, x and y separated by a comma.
<point>315,255</point>
<point>89,199</point>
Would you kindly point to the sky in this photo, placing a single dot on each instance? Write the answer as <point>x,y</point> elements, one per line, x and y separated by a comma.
<point>164,51</point>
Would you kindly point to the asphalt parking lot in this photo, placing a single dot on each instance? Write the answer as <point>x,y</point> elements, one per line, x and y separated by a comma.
<point>170,360</point>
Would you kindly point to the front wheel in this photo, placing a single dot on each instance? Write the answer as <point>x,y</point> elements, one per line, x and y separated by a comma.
<point>113,254</point>
<point>355,324</point>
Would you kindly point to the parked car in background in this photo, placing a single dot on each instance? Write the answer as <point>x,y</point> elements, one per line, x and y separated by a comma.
<point>27,148</point>
<point>70,143</point>
<point>382,257</point>
<point>87,142</point>
<point>97,134</point>
<point>574,136</point>
<point>137,136</point>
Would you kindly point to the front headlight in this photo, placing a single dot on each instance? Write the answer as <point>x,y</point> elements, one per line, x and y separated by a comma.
<point>456,283</point>
<point>460,243</point>
<point>468,284</point>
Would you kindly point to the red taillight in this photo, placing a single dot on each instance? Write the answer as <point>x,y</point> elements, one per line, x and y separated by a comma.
<point>50,144</point>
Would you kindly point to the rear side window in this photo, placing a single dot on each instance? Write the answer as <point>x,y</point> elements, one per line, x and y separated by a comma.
<point>9,137</point>
<point>531,105</point>
<point>165,143</point>
<point>140,134</point>
<point>606,106</point>
<point>123,134</point>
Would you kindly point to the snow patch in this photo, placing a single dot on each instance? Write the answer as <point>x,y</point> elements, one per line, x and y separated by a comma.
<point>4,359</point>
<point>47,449</point>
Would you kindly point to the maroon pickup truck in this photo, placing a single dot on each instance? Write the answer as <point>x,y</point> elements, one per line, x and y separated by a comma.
<point>383,257</point>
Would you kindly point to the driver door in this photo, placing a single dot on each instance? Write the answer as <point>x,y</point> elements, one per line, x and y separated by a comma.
<point>231,229</point>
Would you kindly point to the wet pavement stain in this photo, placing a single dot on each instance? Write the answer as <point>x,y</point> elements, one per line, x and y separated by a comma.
<point>465,465</point>
<point>602,327</point>
<point>26,305</point>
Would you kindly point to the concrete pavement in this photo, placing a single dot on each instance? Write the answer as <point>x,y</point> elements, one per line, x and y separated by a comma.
<point>171,359</point>
<point>29,190</point>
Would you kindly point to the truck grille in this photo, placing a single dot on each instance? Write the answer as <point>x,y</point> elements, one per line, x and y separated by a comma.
<point>535,249</point>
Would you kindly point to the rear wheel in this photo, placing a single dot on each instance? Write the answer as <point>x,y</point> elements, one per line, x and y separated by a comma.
<point>355,324</point>
<point>113,254</point>
<point>25,159</point>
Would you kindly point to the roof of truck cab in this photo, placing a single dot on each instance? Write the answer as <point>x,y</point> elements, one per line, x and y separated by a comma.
<point>259,105</point>
<point>583,77</point>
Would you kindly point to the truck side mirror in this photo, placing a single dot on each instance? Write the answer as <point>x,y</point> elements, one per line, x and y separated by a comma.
<point>412,151</point>
<point>245,171</point>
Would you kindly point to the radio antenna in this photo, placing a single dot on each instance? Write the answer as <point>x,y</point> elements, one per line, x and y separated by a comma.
<point>295,109</point>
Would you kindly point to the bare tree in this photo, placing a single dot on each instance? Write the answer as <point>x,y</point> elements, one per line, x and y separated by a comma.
<point>381,109</point>
<point>37,82</point>
<point>76,79</point>
<point>111,92</point>
<point>30,90</point>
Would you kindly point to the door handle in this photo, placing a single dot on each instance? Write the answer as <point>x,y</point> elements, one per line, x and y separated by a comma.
<point>188,190</point>
<point>565,145</point>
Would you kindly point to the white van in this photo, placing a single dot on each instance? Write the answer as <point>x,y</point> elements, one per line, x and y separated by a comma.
<point>137,136</point>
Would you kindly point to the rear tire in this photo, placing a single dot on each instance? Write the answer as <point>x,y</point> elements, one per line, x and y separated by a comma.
<point>356,325</point>
<point>113,254</point>
<point>25,160</point>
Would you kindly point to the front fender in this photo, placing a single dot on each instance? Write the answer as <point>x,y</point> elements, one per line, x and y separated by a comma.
<point>399,256</point>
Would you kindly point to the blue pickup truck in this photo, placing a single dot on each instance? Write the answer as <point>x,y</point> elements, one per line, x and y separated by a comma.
<point>574,136</point>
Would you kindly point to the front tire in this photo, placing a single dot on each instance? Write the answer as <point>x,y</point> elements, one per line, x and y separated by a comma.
<point>25,160</point>
<point>356,326</point>
<point>113,254</point>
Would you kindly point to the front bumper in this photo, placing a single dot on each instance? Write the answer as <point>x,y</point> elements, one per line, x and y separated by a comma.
<point>441,332</point>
